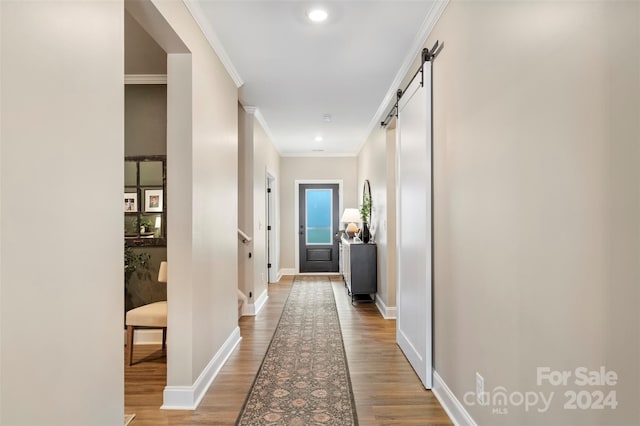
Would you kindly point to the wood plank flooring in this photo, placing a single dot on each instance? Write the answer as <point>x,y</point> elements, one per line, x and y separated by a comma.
<point>386,389</point>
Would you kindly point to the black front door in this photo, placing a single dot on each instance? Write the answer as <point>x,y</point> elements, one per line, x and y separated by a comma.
<point>318,219</point>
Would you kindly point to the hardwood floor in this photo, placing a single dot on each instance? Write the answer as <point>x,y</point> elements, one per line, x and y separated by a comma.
<point>386,390</point>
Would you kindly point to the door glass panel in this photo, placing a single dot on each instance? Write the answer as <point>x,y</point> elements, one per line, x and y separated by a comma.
<point>319,218</point>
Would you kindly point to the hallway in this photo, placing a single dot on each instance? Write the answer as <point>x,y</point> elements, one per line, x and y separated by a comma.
<point>386,389</point>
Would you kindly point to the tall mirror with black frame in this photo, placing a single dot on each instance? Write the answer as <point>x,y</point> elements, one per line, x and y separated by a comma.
<point>145,201</point>
<point>366,209</point>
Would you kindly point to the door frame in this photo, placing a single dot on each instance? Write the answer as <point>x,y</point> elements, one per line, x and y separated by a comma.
<point>296,216</point>
<point>272,219</point>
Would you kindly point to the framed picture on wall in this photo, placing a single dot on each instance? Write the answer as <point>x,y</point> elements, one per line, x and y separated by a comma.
<point>130,202</point>
<point>153,200</point>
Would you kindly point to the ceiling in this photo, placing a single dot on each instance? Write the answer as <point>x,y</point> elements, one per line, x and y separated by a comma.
<point>295,71</point>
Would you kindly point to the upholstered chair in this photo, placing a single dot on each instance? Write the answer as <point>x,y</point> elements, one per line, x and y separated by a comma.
<point>153,315</point>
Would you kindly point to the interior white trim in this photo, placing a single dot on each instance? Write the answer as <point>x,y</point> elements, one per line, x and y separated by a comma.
<point>453,407</point>
<point>145,79</point>
<point>258,115</point>
<point>317,274</point>
<point>296,215</point>
<point>249,109</point>
<point>428,25</point>
<point>286,271</point>
<point>272,209</point>
<point>248,310</point>
<point>189,397</point>
<point>253,309</point>
<point>255,111</point>
<point>261,301</point>
<point>386,311</point>
<point>211,36</point>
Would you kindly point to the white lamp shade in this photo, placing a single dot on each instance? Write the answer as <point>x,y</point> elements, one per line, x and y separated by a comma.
<point>162,273</point>
<point>350,215</point>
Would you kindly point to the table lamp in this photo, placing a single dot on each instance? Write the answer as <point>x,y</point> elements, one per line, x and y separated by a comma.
<point>351,216</point>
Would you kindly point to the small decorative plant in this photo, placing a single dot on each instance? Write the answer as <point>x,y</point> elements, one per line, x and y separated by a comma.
<point>365,209</point>
<point>132,262</point>
<point>146,225</point>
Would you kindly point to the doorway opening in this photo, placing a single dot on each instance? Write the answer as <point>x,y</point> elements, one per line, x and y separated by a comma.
<point>155,56</point>
<point>272,231</point>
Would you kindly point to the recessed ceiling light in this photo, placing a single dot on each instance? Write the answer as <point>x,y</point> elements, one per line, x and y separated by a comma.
<point>317,15</point>
<point>318,139</point>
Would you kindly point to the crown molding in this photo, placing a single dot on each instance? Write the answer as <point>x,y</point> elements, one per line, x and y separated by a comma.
<point>250,109</point>
<point>215,43</point>
<point>258,115</point>
<point>429,23</point>
<point>145,79</point>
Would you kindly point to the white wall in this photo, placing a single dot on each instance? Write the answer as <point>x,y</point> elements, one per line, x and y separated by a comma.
<point>62,112</point>
<point>537,200</point>
<point>202,176</point>
<point>265,159</point>
<point>245,199</point>
<point>301,168</point>
<point>390,237</point>
<point>377,163</point>
<point>257,156</point>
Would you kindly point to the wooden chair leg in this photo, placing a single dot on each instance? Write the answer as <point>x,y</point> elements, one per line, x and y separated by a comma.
<point>164,338</point>
<point>130,342</point>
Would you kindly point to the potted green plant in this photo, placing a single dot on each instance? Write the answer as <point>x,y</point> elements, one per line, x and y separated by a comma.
<point>132,262</point>
<point>146,225</point>
<point>365,210</point>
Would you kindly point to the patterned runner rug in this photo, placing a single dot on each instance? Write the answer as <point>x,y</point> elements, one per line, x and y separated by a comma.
<point>304,377</point>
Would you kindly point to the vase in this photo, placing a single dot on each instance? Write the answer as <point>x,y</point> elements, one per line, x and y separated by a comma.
<point>366,235</point>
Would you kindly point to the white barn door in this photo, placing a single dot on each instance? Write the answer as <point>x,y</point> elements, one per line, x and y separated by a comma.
<point>414,323</point>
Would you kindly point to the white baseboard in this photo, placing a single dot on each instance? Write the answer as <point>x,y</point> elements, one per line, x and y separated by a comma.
<point>454,408</point>
<point>292,271</point>
<point>260,302</point>
<point>189,397</point>
<point>386,311</point>
<point>286,271</point>
<point>318,274</point>
<point>248,310</point>
<point>145,336</point>
<point>252,309</point>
